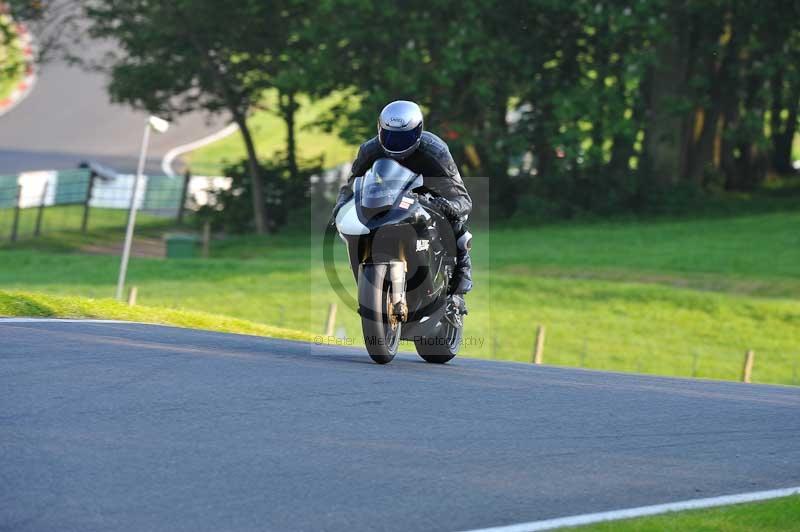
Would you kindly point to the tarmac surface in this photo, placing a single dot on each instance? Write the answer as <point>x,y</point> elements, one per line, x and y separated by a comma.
<point>115,426</point>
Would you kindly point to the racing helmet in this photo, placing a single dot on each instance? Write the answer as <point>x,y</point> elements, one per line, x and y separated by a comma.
<point>400,128</point>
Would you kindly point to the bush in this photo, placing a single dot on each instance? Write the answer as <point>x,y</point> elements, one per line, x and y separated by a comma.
<point>286,197</point>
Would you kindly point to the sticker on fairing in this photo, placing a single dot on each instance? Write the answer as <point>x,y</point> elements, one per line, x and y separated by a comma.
<point>423,245</point>
<point>406,202</point>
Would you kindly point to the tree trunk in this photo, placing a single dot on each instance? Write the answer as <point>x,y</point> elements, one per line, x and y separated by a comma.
<point>785,155</point>
<point>288,106</point>
<point>783,133</point>
<point>256,185</point>
<point>622,146</point>
<point>494,154</point>
<point>602,56</point>
<point>665,84</point>
<point>542,148</point>
<point>729,163</point>
<point>722,76</point>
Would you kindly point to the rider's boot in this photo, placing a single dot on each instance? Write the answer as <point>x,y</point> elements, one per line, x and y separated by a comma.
<point>461,282</point>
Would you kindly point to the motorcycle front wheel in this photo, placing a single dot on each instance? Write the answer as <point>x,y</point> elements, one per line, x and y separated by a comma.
<point>381,332</point>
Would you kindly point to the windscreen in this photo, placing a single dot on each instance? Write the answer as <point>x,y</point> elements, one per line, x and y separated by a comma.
<point>385,181</point>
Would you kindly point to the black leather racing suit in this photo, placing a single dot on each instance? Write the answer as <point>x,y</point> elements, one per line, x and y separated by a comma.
<point>440,175</point>
<point>431,159</point>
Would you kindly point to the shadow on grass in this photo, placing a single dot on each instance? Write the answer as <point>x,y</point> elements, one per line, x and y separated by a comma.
<point>20,305</point>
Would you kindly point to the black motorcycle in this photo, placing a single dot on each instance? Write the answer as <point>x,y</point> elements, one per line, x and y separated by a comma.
<point>402,252</point>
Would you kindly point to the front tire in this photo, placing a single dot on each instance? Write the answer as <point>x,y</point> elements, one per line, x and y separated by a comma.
<point>442,348</point>
<point>381,332</point>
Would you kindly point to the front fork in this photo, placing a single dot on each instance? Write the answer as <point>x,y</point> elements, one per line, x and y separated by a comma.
<point>397,276</point>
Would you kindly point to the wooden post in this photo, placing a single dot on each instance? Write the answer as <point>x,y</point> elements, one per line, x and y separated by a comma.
<point>206,238</point>
<point>132,296</point>
<point>330,324</point>
<point>538,351</point>
<point>40,212</point>
<point>187,177</point>
<point>15,223</point>
<point>86,201</point>
<point>747,371</point>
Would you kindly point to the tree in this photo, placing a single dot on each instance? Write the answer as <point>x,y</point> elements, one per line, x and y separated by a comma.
<point>591,105</point>
<point>782,66</point>
<point>724,70</point>
<point>188,55</point>
<point>447,56</point>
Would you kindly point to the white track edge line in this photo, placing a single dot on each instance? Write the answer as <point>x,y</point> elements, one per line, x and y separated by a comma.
<point>174,153</point>
<point>642,511</point>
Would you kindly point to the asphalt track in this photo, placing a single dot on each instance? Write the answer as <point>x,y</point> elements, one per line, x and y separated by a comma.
<point>67,118</point>
<point>111,426</point>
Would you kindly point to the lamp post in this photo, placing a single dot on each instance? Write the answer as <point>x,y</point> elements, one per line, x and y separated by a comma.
<point>160,125</point>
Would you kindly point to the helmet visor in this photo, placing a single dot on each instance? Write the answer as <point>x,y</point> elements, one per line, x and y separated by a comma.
<point>399,141</point>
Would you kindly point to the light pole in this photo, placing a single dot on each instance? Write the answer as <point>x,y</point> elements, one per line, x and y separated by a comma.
<point>160,125</point>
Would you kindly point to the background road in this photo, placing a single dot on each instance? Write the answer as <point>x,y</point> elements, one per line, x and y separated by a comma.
<point>109,426</point>
<point>67,118</point>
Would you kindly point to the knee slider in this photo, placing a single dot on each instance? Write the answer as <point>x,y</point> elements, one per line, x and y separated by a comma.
<point>464,242</point>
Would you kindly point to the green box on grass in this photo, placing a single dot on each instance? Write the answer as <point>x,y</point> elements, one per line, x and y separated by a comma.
<point>182,246</point>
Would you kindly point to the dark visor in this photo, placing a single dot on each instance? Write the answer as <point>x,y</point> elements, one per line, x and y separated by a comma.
<point>400,140</point>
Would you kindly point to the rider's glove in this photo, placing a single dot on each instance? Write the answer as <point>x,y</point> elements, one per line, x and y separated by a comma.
<point>446,207</point>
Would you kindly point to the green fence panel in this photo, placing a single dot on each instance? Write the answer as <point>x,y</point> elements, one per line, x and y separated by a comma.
<point>8,191</point>
<point>163,194</point>
<point>71,187</point>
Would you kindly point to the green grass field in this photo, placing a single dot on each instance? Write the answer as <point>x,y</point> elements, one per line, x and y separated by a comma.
<point>663,297</point>
<point>60,225</point>
<point>775,515</point>
<point>674,296</point>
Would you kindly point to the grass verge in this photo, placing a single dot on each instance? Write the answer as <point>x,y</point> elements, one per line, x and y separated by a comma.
<point>774,515</point>
<point>269,134</point>
<point>29,304</point>
<point>60,227</point>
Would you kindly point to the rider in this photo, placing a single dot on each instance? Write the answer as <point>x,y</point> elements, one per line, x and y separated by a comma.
<point>401,137</point>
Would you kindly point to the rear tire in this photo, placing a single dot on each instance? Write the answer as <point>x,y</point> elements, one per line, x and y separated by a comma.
<point>442,348</point>
<point>381,337</point>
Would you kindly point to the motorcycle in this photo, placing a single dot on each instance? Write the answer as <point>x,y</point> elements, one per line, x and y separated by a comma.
<point>402,252</point>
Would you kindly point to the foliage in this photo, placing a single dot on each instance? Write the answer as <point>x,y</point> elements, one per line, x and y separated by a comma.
<point>599,106</point>
<point>12,65</point>
<point>591,106</point>
<point>286,197</point>
<point>53,23</point>
<point>185,55</point>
